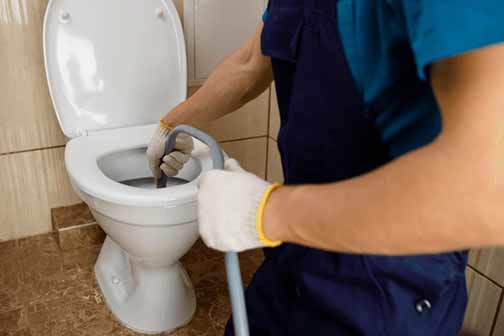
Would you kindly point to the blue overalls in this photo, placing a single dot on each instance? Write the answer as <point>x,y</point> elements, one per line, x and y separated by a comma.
<point>327,134</point>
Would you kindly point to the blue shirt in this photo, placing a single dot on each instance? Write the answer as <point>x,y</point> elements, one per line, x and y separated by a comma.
<point>389,46</point>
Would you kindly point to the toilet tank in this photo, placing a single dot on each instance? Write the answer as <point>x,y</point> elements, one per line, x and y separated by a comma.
<point>114,63</point>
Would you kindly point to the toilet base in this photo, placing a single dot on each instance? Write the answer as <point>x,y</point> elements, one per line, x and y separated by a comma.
<point>144,299</point>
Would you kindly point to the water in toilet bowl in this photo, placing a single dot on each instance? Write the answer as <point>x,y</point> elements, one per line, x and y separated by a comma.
<point>149,183</point>
<point>130,167</point>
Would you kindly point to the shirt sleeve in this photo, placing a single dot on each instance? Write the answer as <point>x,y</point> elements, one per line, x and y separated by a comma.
<point>439,29</point>
<point>265,15</point>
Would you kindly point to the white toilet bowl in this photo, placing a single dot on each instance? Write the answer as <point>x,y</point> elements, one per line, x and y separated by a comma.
<point>148,229</point>
<point>114,68</point>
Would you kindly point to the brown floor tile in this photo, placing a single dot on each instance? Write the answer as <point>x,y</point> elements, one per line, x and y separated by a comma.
<point>21,332</point>
<point>73,215</point>
<point>199,252</point>
<point>207,274</point>
<point>46,291</point>
<point>28,260</point>
<point>254,256</point>
<point>13,292</point>
<point>80,237</point>
<point>13,323</point>
<point>201,324</point>
<point>41,262</point>
<point>78,310</point>
<point>37,266</point>
<point>7,247</point>
<point>12,289</point>
<point>42,244</point>
<point>69,284</point>
<point>84,258</point>
<point>220,310</point>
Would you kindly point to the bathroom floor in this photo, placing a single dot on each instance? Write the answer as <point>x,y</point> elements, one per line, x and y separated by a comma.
<point>49,290</point>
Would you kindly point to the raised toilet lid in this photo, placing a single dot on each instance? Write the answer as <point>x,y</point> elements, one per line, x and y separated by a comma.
<point>113,64</point>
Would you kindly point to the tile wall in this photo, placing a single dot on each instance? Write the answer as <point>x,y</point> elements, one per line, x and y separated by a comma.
<point>485,281</point>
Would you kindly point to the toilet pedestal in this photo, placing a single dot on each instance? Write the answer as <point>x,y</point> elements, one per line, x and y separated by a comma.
<point>145,299</point>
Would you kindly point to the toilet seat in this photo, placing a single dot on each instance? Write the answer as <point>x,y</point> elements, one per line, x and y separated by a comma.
<point>81,159</point>
<point>113,64</point>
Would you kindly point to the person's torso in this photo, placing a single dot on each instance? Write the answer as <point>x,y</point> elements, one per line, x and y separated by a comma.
<point>376,45</point>
<point>351,100</point>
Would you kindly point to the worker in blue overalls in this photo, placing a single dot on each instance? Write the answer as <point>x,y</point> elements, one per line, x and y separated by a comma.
<point>392,147</point>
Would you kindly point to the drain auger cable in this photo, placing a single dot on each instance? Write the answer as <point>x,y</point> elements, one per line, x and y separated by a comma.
<point>237,297</point>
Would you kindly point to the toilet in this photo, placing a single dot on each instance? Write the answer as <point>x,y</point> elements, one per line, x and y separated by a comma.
<point>114,68</point>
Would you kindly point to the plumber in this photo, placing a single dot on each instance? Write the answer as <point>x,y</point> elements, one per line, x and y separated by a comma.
<point>392,148</point>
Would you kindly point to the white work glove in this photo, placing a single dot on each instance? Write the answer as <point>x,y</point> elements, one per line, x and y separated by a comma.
<point>230,206</point>
<point>169,164</point>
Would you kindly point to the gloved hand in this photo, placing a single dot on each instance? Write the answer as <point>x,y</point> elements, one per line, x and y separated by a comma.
<point>230,207</point>
<point>172,163</point>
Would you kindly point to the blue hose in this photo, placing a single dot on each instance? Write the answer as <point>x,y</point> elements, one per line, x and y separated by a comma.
<point>238,308</point>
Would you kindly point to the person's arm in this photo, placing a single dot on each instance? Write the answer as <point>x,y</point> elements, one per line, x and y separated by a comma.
<point>448,195</point>
<point>243,76</point>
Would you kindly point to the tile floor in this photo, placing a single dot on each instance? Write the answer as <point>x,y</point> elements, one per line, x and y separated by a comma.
<point>47,285</point>
<point>46,290</point>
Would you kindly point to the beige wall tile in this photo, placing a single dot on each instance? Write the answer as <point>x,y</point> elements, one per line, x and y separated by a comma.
<point>250,153</point>
<point>27,119</point>
<point>484,299</point>
<point>274,115</point>
<point>180,7</point>
<point>31,183</point>
<point>249,121</point>
<point>23,209</point>
<point>59,190</point>
<point>489,262</point>
<point>274,170</point>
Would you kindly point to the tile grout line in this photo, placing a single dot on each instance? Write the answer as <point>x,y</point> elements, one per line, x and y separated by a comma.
<point>485,276</point>
<point>266,166</point>
<point>244,139</point>
<point>497,312</point>
<point>79,226</point>
<point>36,149</point>
<point>43,306</point>
<point>32,150</point>
<point>266,163</point>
